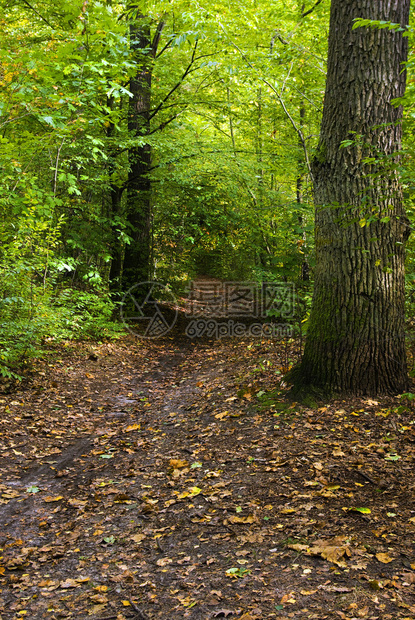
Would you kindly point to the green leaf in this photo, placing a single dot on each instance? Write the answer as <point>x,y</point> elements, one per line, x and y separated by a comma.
<point>32,490</point>
<point>237,572</point>
<point>365,511</point>
<point>194,491</point>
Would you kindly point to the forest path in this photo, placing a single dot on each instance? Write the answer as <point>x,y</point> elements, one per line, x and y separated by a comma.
<point>171,479</point>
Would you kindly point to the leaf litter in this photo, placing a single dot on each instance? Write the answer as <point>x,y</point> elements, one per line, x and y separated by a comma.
<point>175,480</point>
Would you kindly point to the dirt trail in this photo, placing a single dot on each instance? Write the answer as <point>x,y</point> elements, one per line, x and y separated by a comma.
<point>173,480</point>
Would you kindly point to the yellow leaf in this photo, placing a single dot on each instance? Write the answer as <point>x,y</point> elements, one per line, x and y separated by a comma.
<point>126,603</point>
<point>50,498</point>
<point>177,463</point>
<point>99,588</point>
<point>318,466</point>
<point>384,558</point>
<point>98,532</point>
<point>235,519</point>
<point>195,491</point>
<point>183,495</point>
<point>85,580</point>
<point>192,492</point>
<point>222,415</point>
<point>288,598</point>
<point>132,427</point>
<point>412,520</point>
<point>10,494</point>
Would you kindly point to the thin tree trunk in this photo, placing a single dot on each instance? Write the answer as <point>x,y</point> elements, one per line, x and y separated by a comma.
<point>115,211</point>
<point>137,267</point>
<point>356,341</point>
<point>305,267</point>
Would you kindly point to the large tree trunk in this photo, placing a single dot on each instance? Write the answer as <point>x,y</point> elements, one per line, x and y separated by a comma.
<point>137,256</point>
<point>355,341</point>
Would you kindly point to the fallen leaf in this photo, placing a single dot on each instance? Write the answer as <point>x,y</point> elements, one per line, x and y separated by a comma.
<point>76,503</point>
<point>235,519</point>
<point>365,511</point>
<point>164,561</point>
<point>298,547</point>
<point>384,558</point>
<point>133,427</point>
<point>177,463</point>
<point>69,583</point>
<point>50,498</point>
<point>222,415</point>
<point>332,550</point>
<point>138,537</point>
<point>32,490</point>
<point>99,598</point>
<point>9,494</point>
<point>288,598</point>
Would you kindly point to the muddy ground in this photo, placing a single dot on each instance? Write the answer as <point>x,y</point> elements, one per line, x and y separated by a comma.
<point>173,479</point>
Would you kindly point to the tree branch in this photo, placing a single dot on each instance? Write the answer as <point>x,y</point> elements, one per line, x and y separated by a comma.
<point>311,10</point>
<point>276,35</point>
<point>176,86</point>
<point>284,107</point>
<point>156,38</point>
<point>32,8</point>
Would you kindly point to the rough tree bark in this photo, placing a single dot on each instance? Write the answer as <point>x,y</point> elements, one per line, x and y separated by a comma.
<point>356,341</point>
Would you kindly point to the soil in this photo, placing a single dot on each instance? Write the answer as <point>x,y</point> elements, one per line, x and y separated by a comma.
<point>173,479</point>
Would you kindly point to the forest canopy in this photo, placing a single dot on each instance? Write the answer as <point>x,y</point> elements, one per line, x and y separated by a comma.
<point>174,135</point>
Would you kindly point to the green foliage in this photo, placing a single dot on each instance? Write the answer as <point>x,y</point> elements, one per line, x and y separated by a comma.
<point>87,315</point>
<point>236,95</point>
